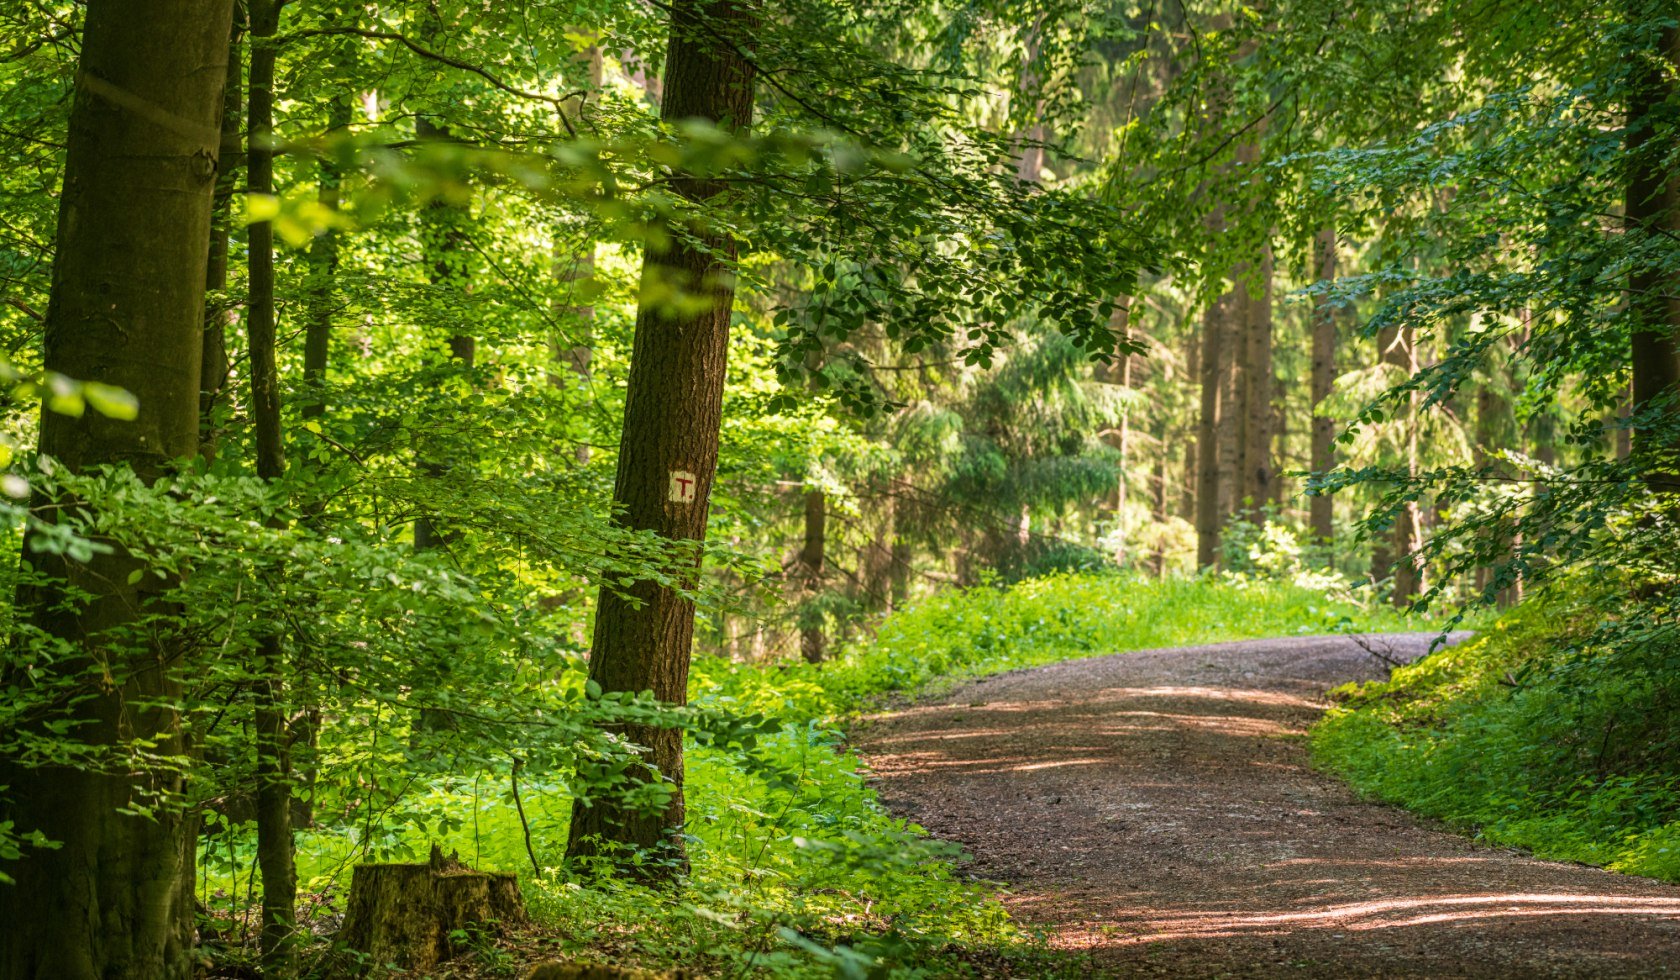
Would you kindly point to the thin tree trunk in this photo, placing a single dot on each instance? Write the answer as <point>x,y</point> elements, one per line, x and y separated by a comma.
<point>219,315</point>
<point>443,241</point>
<point>115,897</point>
<point>573,270</point>
<point>1399,347</point>
<point>1258,482</point>
<point>1492,429</point>
<point>323,268</point>
<point>1192,444</point>
<point>669,447</point>
<point>1228,435</point>
<point>1213,422</point>
<point>1163,496</point>
<point>1653,210</point>
<point>1323,380</point>
<point>273,768</point>
<point>876,570</point>
<point>812,643</point>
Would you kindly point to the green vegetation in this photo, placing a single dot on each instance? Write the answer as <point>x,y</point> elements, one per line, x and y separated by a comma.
<point>797,870</point>
<point>1538,733</point>
<point>537,426</point>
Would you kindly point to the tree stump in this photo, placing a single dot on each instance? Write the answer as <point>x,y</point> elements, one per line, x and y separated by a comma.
<point>404,915</point>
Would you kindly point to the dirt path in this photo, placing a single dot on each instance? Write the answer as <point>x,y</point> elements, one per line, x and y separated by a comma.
<point>1158,810</point>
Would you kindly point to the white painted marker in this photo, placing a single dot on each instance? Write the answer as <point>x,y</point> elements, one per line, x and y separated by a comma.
<point>683,485</point>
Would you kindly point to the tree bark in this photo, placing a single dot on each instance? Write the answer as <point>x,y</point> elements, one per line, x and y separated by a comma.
<point>1322,515</point>
<point>127,306</point>
<point>812,643</point>
<point>571,270</point>
<point>669,447</point>
<point>1653,211</point>
<point>442,240</point>
<point>1399,347</point>
<point>323,268</point>
<point>1214,421</point>
<point>1259,485</point>
<point>273,766</point>
<point>219,315</point>
<point>1192,444</point>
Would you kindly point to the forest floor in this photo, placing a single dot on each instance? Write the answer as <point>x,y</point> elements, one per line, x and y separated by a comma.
<point>1158,811</point>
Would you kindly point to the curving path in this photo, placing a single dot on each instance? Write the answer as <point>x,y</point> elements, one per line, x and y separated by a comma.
<point>1158,810</point>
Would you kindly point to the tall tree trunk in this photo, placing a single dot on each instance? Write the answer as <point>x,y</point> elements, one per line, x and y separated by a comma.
<point>812,643</point>
<point>1214,422</point>
<point>1399,348</point>
<point>443,240</point>
<point>1192,444</point>
<point>218,314</point>
<point>574,269</point>
<point>1228,428</point>
<point>115,898</point>
<point>1120,373</point>
<point>273,768</point>
<point>1163,486</point>
<point>1653,293</point>
<point>1259,485</point>
<point>1323,380</point>
<point>323,268</point>
<point>669,447</point>
<point>1653,210</point>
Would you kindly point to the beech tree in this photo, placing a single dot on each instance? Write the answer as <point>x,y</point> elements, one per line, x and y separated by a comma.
<point>113,897</point>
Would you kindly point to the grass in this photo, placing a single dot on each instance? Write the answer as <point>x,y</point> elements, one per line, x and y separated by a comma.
<point>1538,734</point>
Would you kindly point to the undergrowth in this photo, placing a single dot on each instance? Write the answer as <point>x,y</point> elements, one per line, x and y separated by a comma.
<point>797,870</point>
<point>1554,730</point>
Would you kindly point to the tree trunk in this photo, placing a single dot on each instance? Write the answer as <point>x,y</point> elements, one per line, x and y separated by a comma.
<point>1653,209</point>
<point>1228,434</point>
<point>1192,444</point>
<point>115,898</point>
<point>1163,460</point>
<point>1258,481</point>
<point>1399,347</point>
<point>323,268</point>
<point>273,768</point>
<point>442,238</point>
<point>812,643</point>
<point>1213,422</point>
<point>669,447</point>
<point>877,572</point>
<point>572,270</point>
<point>416,916</point>
<point>1120,373</point>
<point>1323,381</point>
<point>218,314</point>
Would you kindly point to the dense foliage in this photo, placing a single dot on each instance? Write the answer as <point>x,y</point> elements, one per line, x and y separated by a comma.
<point>429,428</point>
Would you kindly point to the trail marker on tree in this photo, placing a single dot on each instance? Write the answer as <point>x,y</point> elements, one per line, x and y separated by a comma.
<point>683,484</point>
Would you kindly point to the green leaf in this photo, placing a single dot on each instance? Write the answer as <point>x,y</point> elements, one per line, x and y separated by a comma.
<point>111,401</point>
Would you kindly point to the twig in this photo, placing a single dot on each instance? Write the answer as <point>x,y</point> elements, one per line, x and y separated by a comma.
<point>513,777</point>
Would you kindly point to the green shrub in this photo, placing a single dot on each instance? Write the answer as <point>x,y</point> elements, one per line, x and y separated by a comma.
<point>1545,732</point>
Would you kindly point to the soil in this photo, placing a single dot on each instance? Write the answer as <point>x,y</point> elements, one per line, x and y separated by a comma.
<point>1159,811</point>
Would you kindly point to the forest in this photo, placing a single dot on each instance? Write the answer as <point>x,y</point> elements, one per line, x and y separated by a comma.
<point>798,488</point>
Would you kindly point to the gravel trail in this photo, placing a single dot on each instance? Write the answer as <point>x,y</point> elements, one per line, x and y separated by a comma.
<point>1159,811</point>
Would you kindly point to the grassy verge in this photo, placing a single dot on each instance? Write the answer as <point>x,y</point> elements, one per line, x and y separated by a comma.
<point>1536,734</point>
<point>797,869</point>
